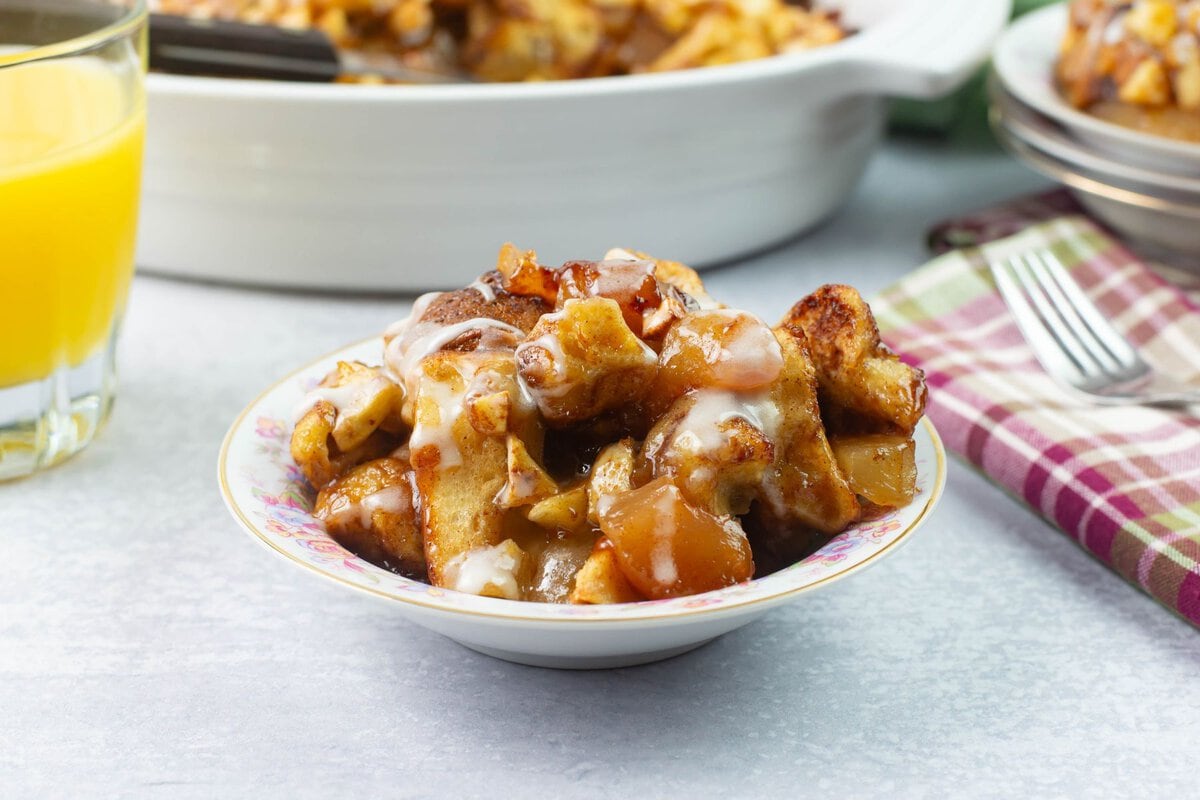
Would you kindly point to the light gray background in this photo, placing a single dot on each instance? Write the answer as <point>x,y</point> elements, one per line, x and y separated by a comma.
<point>149,648</point>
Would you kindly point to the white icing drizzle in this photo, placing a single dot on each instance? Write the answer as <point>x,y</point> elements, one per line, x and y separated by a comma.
<point>750,359</point>
<point>483,567</point>
<point>485,289</point>
<point>662,556</point>
<point>562,382</point>
<point>441,435</point>
<point>1114,31</point>
<point>403,353</point>
<point>701,431</point>
<point>549,342</point>
<point>391,499</point>
<point>620,254</point>
<point>420,306</point>
<point>747,357</point>
<point>348,400</point>
<point>773,494</point>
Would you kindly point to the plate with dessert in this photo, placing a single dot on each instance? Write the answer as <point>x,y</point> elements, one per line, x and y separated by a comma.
<point>1104,97</point>
<point>1123,77</point>
<point>591,465</point>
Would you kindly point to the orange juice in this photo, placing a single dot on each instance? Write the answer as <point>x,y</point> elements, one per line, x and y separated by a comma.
<point>70,156</point>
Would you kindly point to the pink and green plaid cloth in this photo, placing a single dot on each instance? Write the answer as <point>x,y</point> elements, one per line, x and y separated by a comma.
<point>1124,482</point>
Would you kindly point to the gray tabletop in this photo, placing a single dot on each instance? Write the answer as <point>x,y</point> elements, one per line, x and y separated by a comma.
<point>149,648</point>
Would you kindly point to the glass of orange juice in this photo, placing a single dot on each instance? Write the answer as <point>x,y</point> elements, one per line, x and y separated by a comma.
<point>72,116</point>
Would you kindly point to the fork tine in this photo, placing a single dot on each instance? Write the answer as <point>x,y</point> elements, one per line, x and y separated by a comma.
<point>1110,337</point>
<point>1053,359</point>
<point>1070,314</point>
<point>1053,320</point>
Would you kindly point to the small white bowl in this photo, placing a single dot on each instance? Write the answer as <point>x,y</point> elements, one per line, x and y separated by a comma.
<point>411,187</point>
<point>266,494</point>
<point>1166,223</point>
<point>1024,61</point>
<point>1045,134</point>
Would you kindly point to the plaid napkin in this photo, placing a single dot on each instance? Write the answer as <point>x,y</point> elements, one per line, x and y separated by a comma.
<point>1124,482</point>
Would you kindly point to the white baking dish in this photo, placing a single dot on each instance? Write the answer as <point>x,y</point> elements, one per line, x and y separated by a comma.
<point>412,187</point>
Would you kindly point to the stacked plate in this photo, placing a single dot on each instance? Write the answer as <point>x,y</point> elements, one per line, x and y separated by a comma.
<point>1145,187</point>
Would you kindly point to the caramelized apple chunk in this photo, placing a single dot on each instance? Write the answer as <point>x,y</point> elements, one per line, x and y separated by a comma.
<point>667,547</point>
<point>680,276</point>
<point>565,511</point>
<point>527,482</point>
<point>881,468</point>
<point>631,284</point>
<point>584,360</point>
<point>522,275</point>
<point>556,565</point>
<point>721,349</point>
<point>370,512</point>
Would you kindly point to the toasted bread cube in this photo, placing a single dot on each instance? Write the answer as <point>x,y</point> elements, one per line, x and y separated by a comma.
<point>370,512</point>
<point>716,446</point>
<point>600,579</point>
<point>865,388</point>
<point>584,360</point>
<point>459,471</point>
<point>804,486</point>
<point>317,454</point>
<point>489,571</point>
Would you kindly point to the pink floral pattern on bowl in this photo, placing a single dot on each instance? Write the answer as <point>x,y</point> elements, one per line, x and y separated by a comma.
<point>267,494</point>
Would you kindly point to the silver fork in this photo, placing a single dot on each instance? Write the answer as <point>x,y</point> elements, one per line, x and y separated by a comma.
<point>1073,341</point>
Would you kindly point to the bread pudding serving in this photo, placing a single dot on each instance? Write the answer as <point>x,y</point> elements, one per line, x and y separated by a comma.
<point>606,432</point>
<point>1135,63</point>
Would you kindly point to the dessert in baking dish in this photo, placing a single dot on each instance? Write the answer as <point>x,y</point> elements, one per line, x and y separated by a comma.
<point>523,40</point>
<point>1135,63</point>
<point>606,432</point>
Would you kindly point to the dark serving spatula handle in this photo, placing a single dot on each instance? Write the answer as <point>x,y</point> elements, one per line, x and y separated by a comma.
<point>234,49</point>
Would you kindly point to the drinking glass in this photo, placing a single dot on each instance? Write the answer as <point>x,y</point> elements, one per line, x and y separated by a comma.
<point>72,117</point>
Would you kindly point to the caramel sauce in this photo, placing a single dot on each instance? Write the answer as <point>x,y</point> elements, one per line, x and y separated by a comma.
<point>1173,123</point>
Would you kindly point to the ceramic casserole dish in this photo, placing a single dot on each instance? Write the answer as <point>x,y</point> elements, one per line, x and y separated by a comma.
<point>402,188</point>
